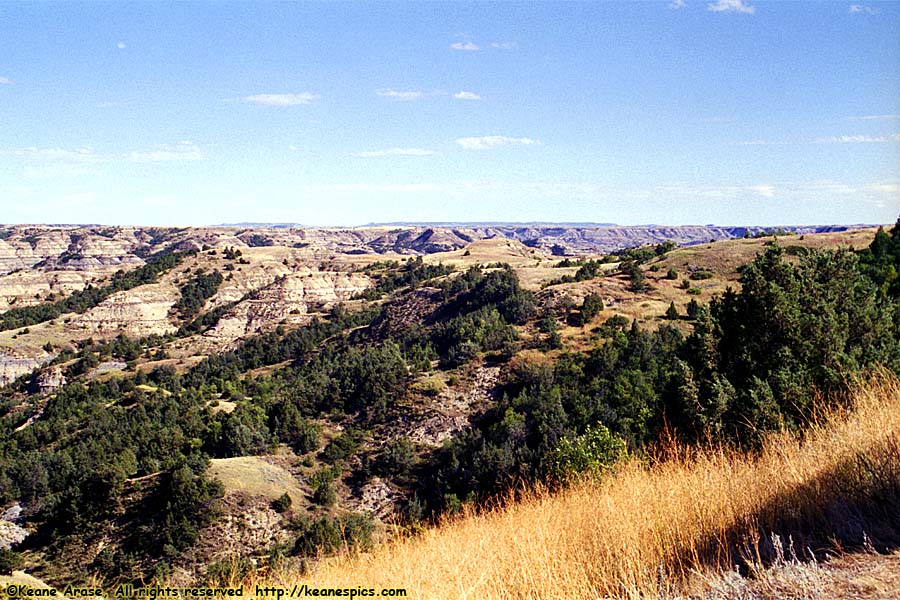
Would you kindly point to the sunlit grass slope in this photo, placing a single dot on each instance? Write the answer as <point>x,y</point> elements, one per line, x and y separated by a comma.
<point>651,529</point>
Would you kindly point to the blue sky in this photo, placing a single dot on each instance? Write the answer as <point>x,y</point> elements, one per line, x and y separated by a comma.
<point>672,112</point>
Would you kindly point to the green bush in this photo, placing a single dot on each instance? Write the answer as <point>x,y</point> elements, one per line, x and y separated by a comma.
<point>341,447</point>
<point>230,570</point>
<point>672,312</point>
<point>591,453</point>
<point>398,458</point>
<point>591,307</point>
<point>322,483</point>
<point>322,536</point>
<point>10,561</point>
<point>282,503</point>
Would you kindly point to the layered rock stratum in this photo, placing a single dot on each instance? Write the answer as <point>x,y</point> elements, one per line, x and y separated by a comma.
<point>277,275</point>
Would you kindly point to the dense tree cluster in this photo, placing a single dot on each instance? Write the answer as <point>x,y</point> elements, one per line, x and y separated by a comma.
<point>72,465</point>
<point>196,292</point>
<point>413,273</point>
<point>756,361</point>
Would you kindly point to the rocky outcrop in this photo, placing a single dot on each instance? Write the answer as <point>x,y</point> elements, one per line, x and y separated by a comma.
<point>48,380</point>
<point>562,240</point>
<point>375,498</point>
<point>138,312</point>
<point>289,298</point>
<point>86,249</point>
<point>29,287</point>
<point>246,524</point>
<point>26,247</point>
<point>13,365</point>
<point>449,413</point>
<point>11,534</point>
<point>69,248</point>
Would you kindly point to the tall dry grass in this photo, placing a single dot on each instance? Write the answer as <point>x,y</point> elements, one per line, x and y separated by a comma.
<point>652,530</point>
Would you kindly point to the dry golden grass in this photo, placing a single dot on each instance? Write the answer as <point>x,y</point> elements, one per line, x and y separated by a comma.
<point>255,476</point>
<point>860,576</point>
<point>662,527</point>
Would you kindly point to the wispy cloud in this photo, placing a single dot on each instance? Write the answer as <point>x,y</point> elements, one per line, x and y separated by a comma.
<point>466,45</point>
<point>81,155</point>
<point>120,45</point>
<point>813,192</point>
<point>6,81</point>
<point>879,118</point>
<point>885,187</point>
<point>677,4</point>
<point>54,163</point>
<point>834,139</point>
<point>765,190</point>
<point>737,6</point>
<point>281,99</point>
<point>44,163</point>
<point>395,152</point>
<point>504,45</point>
<point>466,96</point>
<point>492,141</point>
<point>862,9</point>
<point>404,96</point>
<point>184,151</point>
<point>859,139</point>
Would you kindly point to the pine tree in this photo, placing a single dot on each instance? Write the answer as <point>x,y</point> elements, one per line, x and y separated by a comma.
<point>672,312</point>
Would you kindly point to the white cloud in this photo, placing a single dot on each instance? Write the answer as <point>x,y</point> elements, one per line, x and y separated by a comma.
<point>407,96</point>
<point>466,96</point>
<point>879,118</point>
<point>859,139</point>
<point>395,152</point>
<point>79,155</point>
<point>677,4</point>
<point>764,190</point>
<point>885,187</point>
<point>737,6</point>
<point>5,81</point>
<point>504,45</point>
<point>861,9</point>
<point>492,141</point>
<point>47,163</point>
<point>281,99</point>
<point>466,45</point>
<point>120,45</point>
<point>184,151</point>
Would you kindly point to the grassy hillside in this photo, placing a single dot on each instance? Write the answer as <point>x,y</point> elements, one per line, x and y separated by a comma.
<point>665,525</point>
<point>284,407</point>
